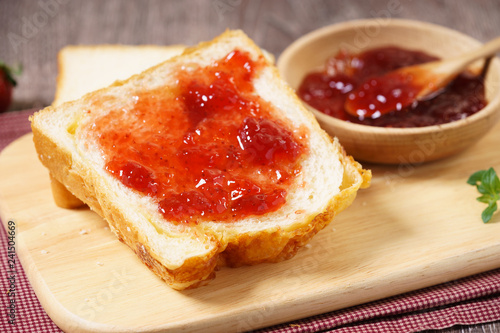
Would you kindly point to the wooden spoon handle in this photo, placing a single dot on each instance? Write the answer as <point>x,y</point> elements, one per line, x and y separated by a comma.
<point>459,63</point>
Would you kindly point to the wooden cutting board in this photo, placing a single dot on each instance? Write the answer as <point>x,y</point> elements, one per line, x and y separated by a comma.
<point>416,226</point>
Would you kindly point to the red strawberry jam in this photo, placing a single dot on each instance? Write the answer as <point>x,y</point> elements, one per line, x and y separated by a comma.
<point>328,90</point>
<point>208,148</point>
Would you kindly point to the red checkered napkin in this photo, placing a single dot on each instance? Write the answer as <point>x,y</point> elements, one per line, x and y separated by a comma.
<point>471,300</point>
<point>27,313</point>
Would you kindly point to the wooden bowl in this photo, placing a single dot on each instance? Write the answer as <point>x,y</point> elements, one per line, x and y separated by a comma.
<point>393,145</point>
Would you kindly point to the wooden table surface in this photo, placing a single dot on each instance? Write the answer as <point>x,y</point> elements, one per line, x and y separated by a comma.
<point>32,32</point>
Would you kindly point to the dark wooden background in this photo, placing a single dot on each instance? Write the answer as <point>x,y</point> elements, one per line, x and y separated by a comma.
<point>32,32</point>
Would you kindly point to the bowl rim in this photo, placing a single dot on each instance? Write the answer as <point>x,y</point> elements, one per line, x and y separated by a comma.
<point>284,59</point>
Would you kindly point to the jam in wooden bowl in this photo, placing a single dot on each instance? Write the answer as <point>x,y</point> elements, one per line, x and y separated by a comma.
<point>458,117</point>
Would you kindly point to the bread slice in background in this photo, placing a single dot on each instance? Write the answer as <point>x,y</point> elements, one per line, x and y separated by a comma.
<point>186,255</point>
<point>85,68</point>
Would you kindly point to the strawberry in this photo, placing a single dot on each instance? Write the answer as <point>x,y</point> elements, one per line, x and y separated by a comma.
<point>7,82</point>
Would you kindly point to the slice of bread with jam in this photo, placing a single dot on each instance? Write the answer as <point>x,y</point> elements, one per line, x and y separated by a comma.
<point>206,159</point>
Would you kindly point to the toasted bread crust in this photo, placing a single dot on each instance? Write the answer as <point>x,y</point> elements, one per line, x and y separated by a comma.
<point>62,197</point>
<point>268,245</point>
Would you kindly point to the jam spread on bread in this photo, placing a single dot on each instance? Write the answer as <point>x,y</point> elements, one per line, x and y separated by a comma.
<point>205,148</point>
<point>328,90</point>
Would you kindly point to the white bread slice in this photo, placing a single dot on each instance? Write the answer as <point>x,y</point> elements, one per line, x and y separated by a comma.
<point>186,255</point>
<point>85,68</point>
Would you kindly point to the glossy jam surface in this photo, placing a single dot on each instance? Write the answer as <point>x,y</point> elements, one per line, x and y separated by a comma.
<point>208,148</point>
<point>381,95</point>
<point>328,90</point>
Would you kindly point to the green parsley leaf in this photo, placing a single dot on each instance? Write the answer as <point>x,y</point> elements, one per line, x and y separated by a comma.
<point>476,177</point>
<point>488,212</point>
<point>488,184</point>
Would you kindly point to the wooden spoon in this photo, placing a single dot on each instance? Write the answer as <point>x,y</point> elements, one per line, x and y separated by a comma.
<point>402,87</point>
